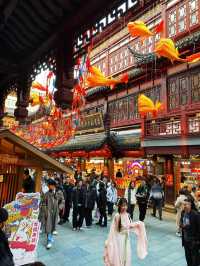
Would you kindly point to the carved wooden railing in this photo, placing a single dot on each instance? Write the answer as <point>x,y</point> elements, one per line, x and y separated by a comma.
<point>163,128</point>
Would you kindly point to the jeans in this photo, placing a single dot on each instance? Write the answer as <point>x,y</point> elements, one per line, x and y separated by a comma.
<point>49,238</point>
<point>157,204</point>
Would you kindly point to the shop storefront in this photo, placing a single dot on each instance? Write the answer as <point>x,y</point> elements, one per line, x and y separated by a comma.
<point>187,173</point>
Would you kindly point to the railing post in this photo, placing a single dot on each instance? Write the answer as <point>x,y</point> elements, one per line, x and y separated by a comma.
<point>184,135</point>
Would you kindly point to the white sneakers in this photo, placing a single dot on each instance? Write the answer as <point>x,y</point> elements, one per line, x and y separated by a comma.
<point>49,245</point>
<point>55,233</point>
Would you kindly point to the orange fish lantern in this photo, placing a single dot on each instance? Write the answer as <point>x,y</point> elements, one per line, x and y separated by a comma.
<point>193,58</point>
<point>139,29</point>
<point>96,78</point>
<point>146,105</point>
<point>165,47</point>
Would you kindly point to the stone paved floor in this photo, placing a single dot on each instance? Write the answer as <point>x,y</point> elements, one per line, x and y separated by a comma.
<point>86,247</point>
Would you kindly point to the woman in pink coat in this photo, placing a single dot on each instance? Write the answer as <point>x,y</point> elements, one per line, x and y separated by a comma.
<point>117,247</point>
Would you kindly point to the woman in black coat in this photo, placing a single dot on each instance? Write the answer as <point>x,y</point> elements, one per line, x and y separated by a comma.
<point>90,199</point>
<point>102,203</point>
<point>6,257</point>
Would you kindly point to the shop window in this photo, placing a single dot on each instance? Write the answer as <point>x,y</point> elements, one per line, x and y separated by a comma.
<point>172,23</point>
<point>182,18</point>
<point>193,9</point>
<point>195,87</point>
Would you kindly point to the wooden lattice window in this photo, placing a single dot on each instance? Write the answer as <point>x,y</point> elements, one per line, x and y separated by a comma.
<point>153,93</point>
<point>182,18</point>
<point>134,101</point>
<point>195,87</point>
<point>173,93</point>
<point>172,23</point>
<point>194,12</point>
<point>183,90</point>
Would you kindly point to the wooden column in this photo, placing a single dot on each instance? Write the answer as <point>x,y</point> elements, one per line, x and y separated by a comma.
<point>20,178</point>
<point>164,18</point>
<point>23,93</point>
<point>111,168</point>
<point>184,135</point>
<point>170,188</point>
<point>163,95</point>
<point>2,106</point>
<point>38,178</point>
<point>65,72</point>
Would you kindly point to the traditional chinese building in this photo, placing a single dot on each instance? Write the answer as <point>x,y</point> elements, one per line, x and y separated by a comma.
<point>169,143</point>
<point>39,35</point>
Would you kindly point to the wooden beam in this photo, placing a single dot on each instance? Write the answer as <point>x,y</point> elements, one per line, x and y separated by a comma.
<point>81,21</point>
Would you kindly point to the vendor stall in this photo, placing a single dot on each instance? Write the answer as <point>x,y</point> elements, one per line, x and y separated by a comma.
<point>16,155</point>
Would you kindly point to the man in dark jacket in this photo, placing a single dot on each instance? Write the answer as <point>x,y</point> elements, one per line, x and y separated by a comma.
<point>28,185</point>
<point>102,203</point>
<point>142,199</point>
<point>67,188</point>
<point>190,225</point>
<point>6,257</point>
<point>78,200</point>
<point>90,199</point>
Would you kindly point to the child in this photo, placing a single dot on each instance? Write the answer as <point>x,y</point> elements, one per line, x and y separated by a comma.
<point>118,247</point>
<point>6,257</point>
<point>50,203</point>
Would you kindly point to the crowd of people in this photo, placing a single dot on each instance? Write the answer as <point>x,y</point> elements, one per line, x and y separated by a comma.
<point>96,197</point>
<point>93,197</point>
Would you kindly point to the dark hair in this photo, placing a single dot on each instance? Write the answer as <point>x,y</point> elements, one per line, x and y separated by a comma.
<point>3,215</point>
<point>101,185</point>
<point>181,192</point>
<point>26,172</point>
<point>37,263</point>
<point>130,184</point>
<point>121,202</point>
<point>194,189</point>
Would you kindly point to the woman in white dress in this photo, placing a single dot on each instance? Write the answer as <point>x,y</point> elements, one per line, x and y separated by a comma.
<point>117,247</point>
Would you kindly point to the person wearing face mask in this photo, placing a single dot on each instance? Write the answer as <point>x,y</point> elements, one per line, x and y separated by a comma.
<point>51,208</point>
<point>6,257</point>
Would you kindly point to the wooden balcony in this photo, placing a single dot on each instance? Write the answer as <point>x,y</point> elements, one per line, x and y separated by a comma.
<point>163,128</point>
<point>173,127</point>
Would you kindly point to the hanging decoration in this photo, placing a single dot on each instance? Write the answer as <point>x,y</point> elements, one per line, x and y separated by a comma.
<point>193,58</point>
<point>139,29</point>
<point>165,47</point>
<point>147,106</point>
<point>96,78</point>
<point>159,27</point>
